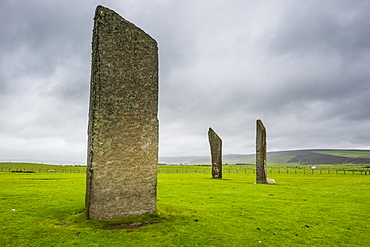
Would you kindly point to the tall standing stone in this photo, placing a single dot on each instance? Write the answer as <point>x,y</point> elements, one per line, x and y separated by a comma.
<point>215,144</point>
<point>261,153</point>
<point>123,124</point>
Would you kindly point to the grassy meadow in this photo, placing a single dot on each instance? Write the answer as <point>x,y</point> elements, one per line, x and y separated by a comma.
<point>347,153</point>
<point>302,209</point>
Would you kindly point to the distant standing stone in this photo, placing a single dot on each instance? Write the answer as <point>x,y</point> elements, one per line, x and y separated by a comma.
<point>215,144</point>
<point>123,124</point>
<point>261,153</point>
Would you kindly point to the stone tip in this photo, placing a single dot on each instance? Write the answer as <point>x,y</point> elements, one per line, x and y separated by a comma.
<point>101,13</point>
<point>99,9</point>
<point>213,133</point>
<point>260,124</point>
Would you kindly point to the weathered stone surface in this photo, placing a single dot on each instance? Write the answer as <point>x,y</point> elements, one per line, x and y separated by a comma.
<point>123,124</point>
<point>261,153</point>
<point>215,144</point>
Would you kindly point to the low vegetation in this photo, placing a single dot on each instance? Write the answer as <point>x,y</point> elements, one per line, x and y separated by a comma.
<point>46,209</point>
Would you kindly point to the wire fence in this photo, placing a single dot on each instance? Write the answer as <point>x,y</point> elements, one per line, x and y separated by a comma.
<point>42,170</point>
<point>226,170</point>
<point>364,171</point>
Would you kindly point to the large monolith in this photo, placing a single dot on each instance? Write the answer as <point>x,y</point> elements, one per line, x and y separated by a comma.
<point>123,124</point>
<point>215,144</point>
<point>261,153</point>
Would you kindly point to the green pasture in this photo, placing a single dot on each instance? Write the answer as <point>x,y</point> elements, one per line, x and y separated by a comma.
<point>347,153</point>
<point>37,168</point>
<point>227,169</point>
<point>46,209</point>
<point>271,169</point>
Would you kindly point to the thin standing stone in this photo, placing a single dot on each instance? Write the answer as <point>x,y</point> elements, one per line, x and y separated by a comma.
<point>215,144</point>
<point>261,153</point>
<point>123,124</point>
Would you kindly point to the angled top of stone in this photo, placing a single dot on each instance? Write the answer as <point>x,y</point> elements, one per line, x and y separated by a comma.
<point>213,133</point>
<point>260,125</point>
<point>104,16</point>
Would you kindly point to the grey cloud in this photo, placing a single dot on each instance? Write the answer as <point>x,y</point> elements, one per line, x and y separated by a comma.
<point>300,67</point>
<point>321,27</point>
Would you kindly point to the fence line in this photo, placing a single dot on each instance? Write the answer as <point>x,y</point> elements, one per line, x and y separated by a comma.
<point>270,171</point>
<point>226,170</point>
<point>17,170</point>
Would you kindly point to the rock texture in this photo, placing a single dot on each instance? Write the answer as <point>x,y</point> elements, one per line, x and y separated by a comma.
<point>260,153</point>
<point>215,144</point>
<point>123,124</point>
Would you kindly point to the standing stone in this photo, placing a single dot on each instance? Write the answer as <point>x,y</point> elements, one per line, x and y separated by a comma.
<point>123,124</point>
<point>215,144</point>
<point>261,153</point>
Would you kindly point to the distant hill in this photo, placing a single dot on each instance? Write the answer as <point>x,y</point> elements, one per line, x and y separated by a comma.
<point>302,157</point>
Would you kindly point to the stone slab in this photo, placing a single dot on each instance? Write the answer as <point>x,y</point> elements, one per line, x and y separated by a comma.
<point>215,144</point>
<point>260,153</point>
<point>123,124</point>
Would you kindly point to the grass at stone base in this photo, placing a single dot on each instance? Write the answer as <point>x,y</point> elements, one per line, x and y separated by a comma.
<point>193,210</point>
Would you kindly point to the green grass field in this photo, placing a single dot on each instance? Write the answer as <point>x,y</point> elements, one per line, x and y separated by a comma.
<point>45,209</point>
<point>35,167</point>
<point>347,153</point>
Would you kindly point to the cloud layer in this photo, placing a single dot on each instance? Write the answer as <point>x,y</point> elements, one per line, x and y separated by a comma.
<point>301,67</point>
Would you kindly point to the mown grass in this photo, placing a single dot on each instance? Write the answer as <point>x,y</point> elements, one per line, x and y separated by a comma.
<point>44,209</point>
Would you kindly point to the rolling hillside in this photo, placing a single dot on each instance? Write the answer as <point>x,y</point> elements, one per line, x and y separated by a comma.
<point>301,157</point>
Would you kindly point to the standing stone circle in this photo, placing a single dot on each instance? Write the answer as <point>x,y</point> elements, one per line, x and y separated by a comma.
<point>260,153</point>
<point>215,144</point>
<point>123,124</point>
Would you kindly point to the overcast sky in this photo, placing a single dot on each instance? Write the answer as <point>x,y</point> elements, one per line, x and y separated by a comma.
<point>302,67</point>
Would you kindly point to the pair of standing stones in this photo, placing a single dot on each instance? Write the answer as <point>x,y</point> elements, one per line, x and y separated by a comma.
<point>123,123</point>
<point>215,143</point>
